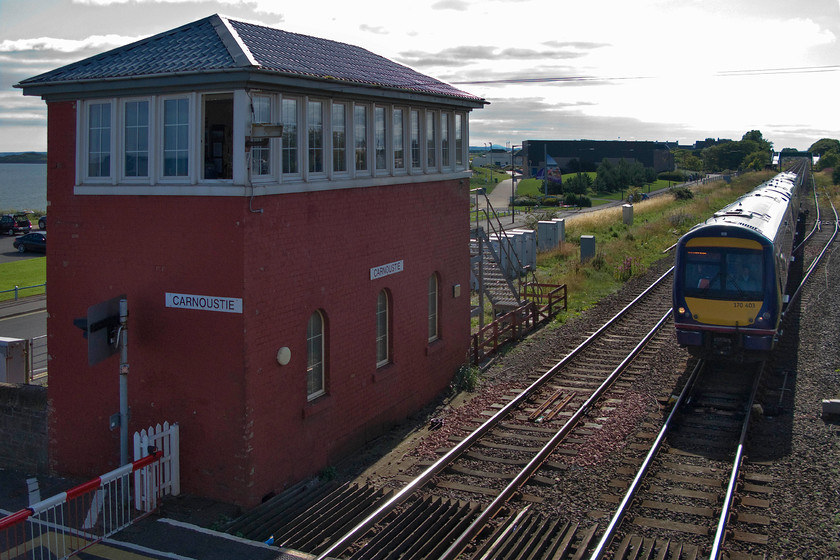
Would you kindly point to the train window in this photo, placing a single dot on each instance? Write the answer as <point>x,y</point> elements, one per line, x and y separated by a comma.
<point>723,274</point>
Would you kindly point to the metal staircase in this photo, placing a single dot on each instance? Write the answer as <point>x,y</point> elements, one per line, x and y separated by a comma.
<point>492,281</point>
<point>486,263</point>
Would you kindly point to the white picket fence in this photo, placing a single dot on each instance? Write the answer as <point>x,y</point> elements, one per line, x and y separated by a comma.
<point>161,438</point>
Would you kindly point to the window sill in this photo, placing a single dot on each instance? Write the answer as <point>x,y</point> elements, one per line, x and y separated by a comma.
<point>384,372</point>
<point>435,347</point>
<point>316,406</point>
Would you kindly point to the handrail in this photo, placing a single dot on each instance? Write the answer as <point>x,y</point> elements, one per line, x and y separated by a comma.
<point>500,232</point>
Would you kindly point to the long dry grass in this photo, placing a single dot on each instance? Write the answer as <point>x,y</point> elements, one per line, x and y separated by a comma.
<point>622,250</point>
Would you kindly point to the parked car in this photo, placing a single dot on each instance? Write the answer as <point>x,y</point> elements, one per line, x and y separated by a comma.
<point>42,222</point>
<point>19,223</point>
<point>34,241</point>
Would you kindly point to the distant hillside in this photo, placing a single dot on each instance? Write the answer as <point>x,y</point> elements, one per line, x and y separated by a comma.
<point>25,157</point>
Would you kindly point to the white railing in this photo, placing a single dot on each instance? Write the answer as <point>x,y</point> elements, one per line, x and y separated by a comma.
<point>66,523</point>
<point>61,526</point>
<point>158,438</point>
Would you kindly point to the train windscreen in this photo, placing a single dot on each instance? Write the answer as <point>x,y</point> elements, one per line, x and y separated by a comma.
<point>719,273</point>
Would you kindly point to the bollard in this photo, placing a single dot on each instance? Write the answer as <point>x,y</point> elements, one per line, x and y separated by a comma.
<point>587,247</point>
<point>627,212</point>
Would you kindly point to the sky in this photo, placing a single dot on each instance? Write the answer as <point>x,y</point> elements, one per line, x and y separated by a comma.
<point>663,70</point>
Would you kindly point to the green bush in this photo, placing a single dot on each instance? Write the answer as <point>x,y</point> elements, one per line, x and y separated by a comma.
<point>525,201</point>
<point>466,378</point>
<point>682,193</point>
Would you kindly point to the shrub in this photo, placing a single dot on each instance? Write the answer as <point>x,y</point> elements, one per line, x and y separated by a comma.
<point>682,193</point>
<point>525,201</point>
<point>466,378</point>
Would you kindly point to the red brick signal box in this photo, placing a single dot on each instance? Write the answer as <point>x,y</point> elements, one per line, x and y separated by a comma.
<point>288,219</point>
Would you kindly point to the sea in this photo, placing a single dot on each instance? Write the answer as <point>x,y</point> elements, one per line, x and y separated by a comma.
<point>23,186</point>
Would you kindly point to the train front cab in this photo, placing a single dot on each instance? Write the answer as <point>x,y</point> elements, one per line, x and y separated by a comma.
<point>726,300</point>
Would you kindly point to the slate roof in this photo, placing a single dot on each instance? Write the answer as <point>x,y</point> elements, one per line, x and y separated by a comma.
<point>217,43</point>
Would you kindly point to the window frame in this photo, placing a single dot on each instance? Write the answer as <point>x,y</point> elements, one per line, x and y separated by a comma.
<point>150,145</point>
<point>383,332</point>
<point>431,143</point>
<point>415,134</point>
<point>321,364</point>
<point>299,149</point>
<point>433,308</point>
<point>362,135</point>
<point>160,148</point>
<point>345,148</point>
<point>273,144</point>
<point>310,150</point>
<point>401,136</point>
<point>85,129</point>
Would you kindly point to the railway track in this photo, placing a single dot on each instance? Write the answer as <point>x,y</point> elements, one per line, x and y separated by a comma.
<point>677,505</point>
<point>457,501</point>
<point>496,490</point>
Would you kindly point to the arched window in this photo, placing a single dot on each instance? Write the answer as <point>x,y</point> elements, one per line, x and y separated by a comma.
<point>434,329</point>
<point>383,327</point>
<point>315,386</point>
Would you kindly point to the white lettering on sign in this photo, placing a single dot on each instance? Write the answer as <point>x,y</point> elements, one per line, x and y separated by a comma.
<point>206,303</point>
<point>386,269</point>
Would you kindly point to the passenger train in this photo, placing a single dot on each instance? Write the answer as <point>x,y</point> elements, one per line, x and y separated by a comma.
<point>731,271</point>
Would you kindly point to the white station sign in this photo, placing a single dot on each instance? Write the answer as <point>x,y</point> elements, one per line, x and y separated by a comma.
<point>204,303</point>
<point>386,269</point>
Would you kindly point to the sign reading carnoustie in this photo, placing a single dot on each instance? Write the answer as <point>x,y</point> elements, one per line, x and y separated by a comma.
<point>206,303</point>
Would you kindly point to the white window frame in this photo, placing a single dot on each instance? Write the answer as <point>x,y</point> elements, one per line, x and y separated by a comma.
<point>273,143</point>
<point>192,147</point>
<point>83,155</point>
<point>300,117</point>
<point>445,132</point>
<point>326,161</point>
<point>383,336</point>
<point>321,372</point>
<point>384,135</point>
<point>434,307</point>
<point>150,140</point>
<point>368,160</point>
<point>412,113</point>
<point>343,173</point>
<point>431,163</point>
<point>402,136</point>
<point>461,155</point>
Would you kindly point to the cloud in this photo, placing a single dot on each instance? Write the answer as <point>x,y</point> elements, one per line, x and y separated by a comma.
<point>97,43</point>
<point>378,30</point>
<point>461,55</point>
<point>457,5</point>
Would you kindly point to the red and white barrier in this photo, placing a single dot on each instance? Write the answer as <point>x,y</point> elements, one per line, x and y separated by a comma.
<point>71,521</point>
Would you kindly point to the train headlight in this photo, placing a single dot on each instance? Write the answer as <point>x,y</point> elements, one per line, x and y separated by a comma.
<point>681,310</point>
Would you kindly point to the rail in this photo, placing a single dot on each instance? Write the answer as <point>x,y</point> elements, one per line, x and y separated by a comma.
<point>17,289</point>
<point>457,547</point>
<point>500,232</point>
<point>542,304</point>
<point>607,537</point>
<point>389,505</point>
<point>74,520</point>
<point>720,533</point>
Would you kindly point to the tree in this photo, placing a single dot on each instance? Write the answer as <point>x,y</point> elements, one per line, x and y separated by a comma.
<point>835,177</point>
<point>825,146</point>
<point>829,160</point>
<point>579,184</point>
<point>755,136</point>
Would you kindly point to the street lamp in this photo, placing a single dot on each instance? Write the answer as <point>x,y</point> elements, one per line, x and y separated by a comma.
<point>513,181</point>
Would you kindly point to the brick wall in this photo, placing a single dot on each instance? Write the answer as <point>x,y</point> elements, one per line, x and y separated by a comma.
<point>23,428</point>
<point>246,426</point>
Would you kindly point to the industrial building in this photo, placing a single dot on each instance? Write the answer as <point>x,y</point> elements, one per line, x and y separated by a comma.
<point>585,155</point>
